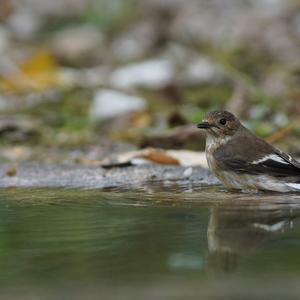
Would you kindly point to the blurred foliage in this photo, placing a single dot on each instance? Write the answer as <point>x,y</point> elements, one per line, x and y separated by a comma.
<point>111,16</point>
<point>132,31</point>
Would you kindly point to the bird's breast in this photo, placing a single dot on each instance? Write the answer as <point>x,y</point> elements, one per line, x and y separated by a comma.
<point>212,144</point>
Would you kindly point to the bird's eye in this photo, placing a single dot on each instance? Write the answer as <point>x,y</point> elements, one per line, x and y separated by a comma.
<point>223,121</point>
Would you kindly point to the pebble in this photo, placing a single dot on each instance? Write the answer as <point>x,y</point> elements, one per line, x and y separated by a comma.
<point>200,71</point>
<point>24,23</point>
<point>188,172</point>
<point>110,103</point>
<point>73,44</point>
<point>151,74</point>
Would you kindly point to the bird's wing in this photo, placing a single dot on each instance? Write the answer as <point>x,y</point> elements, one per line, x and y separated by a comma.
<point>274,163</point>
<point>288,158</point>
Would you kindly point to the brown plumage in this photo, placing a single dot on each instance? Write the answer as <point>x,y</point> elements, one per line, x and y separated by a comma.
<point>242,160</point>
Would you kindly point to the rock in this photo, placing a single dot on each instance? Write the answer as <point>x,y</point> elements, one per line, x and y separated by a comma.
<point>24,23</point>
<point>188,172</point>
<point>83,78</point>
<point>77,44</point>
<point>199,71</point>
<point>109,103</point>
<point>191,67</point>
<point>53,175</point>
<point>133,44</point>
<point>178,54</point>
<point>281,119</point>
<point>150,74</point>
<point>127,48</point>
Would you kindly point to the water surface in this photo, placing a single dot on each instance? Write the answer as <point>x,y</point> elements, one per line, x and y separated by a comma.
<point>152,243</point>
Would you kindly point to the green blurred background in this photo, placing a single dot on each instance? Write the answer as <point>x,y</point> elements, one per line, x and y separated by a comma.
<point>83,79</point>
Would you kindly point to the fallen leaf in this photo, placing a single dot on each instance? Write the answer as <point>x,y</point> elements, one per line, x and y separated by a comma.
<point>12,171</point>
<point>39,72</point>
<point>160,156</point>
<point>189,158</point>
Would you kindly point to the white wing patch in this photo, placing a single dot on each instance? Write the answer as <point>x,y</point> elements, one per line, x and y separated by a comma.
<point>289,157</point>
<point>274,157</point>
<point>293,185</point>
<point>270,228</point>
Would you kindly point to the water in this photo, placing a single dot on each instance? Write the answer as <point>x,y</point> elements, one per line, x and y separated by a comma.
<point>155,243</point>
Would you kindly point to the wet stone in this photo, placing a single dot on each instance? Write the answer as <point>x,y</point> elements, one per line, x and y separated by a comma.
<point>51,175</point>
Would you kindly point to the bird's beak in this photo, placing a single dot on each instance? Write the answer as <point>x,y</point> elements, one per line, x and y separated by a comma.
<point>204,125</point>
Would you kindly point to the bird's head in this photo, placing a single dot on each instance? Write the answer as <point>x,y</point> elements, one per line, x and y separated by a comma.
<point>220,123</point>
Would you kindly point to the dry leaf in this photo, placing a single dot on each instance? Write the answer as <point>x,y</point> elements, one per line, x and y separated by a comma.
<point>160,156</point>
<point>39,72</point>
<point>12,171</point>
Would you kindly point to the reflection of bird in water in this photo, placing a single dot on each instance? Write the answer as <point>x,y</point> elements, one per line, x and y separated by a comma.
<point>233,231</point>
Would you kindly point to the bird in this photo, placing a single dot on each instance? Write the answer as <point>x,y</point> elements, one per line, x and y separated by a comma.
<point>243,161</point>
